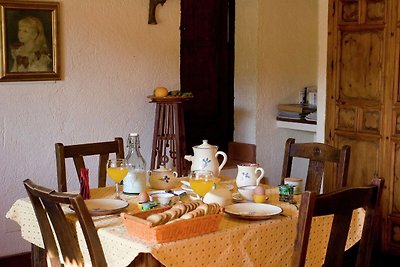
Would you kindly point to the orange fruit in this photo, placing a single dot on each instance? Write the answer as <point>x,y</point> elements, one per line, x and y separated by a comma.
<point>160,91</point>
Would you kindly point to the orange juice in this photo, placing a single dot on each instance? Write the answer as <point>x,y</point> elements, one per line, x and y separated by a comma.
<point>117,173</point>
<point>201,186</point>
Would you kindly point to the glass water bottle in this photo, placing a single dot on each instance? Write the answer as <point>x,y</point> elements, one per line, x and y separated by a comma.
<point>135,180</point>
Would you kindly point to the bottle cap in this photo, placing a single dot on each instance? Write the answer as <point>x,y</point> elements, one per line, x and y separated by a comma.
<point>133,134</point>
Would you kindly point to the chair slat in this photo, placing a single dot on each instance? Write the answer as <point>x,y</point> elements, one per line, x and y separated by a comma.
<point>46,231</point>
<point>68,244</point>
<point>314,175</point>
<point>102,169</point>
<point>338,237</point>
<point>79,163</point>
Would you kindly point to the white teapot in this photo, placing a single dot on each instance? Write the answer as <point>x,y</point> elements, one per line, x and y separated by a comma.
<point>206,158</point>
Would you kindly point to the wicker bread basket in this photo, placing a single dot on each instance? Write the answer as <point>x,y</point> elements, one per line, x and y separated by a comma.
<point>139,227</point>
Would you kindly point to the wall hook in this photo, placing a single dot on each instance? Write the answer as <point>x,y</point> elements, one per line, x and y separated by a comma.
<point>152,10</point>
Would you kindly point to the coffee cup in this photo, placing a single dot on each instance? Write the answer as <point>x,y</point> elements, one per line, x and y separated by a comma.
<point>247,191</point>
<point>164,199</point>
<point>297,184</point>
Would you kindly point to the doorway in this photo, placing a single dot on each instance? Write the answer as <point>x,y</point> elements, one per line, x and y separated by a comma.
<point>207,70</point>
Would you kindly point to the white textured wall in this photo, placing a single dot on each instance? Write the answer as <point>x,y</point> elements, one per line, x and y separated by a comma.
<point>322,63</point>
<point>287,62</point>
<point>111,60</point>
<point>246,47</point>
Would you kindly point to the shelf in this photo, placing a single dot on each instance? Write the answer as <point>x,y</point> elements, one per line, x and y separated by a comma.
<point>299,126</point>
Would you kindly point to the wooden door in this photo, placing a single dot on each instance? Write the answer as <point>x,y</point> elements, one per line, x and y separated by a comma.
<point>392,161</point>
<point>361,50</point>
<point>207,30</point>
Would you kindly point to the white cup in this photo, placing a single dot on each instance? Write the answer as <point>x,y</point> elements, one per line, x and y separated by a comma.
<point>247,191</point>
<point>164,199</point>
<point>297,184</point>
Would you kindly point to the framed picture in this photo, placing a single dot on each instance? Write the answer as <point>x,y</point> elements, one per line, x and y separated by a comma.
<point>29,41</point>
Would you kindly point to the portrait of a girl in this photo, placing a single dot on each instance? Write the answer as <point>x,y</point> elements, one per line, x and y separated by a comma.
<point>31,52</point>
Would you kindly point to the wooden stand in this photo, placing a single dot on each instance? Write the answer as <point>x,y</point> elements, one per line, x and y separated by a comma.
<point>169,134</point>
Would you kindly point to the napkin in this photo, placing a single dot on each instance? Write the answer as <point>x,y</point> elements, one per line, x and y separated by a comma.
<point>84,182</point>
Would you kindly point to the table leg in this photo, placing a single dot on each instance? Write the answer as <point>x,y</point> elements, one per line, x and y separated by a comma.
<point>145,260</point>
<point>38,256</point>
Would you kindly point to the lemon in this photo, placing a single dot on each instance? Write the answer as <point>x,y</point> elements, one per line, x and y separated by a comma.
<point>160,91</point>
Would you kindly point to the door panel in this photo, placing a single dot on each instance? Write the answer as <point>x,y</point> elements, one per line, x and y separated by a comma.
<point>361,65</point>
<point>365,158</point>
<point>197,63</point>
<point>207,31</point>
<point>364,11</point>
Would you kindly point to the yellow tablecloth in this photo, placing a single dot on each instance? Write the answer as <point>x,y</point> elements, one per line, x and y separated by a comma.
<point>236,243</point>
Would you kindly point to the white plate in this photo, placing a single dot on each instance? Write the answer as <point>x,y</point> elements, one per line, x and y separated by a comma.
<point>252,211</point>
<point>98,207</point>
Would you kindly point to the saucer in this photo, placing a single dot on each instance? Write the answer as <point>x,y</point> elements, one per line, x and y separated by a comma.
<point>239,199</point>
<point>100,207</point>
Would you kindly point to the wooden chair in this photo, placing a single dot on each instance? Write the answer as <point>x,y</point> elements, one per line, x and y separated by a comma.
<point>77,152</point>
<point>46,203</point>
<point>240,153</point>
<point>341,204</point>
<point>318,154</point>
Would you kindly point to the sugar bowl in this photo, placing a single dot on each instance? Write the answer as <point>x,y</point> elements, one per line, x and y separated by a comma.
<point>163,178</point>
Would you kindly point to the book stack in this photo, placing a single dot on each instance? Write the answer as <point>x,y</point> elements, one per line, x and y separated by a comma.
<point>295,111</point>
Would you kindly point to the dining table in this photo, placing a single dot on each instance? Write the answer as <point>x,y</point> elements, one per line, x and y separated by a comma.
<point>236,242</point>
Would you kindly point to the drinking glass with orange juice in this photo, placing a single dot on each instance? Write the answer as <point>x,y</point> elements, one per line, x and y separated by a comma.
<point>201,181</point>
<point>117,169</point>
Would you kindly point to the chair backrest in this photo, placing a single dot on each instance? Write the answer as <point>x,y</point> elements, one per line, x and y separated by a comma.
<point>46,203</point>
<point>240,153</point>
<point>341,204</point>
<point>77,153</point>
<point>318,154</point>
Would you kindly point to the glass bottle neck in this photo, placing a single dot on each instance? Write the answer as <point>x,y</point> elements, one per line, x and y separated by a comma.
<point>133,141</point>
<point>134,150</point>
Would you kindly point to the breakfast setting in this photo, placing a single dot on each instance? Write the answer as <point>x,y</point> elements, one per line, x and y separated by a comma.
<point>171,208</point>
<point>176,203</point>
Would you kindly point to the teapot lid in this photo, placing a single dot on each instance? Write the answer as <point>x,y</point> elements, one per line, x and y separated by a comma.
<point>205,145</point>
